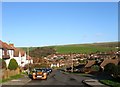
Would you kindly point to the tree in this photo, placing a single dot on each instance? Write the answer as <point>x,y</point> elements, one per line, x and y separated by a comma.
<point>110,68</point>
<point>13,65</point>
<point>118,70</point>
<point>42,52</point>
<point>95,68</point>
<point>2,64</point>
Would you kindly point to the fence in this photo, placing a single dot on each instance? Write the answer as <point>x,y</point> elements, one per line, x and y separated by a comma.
<point>7,73</point>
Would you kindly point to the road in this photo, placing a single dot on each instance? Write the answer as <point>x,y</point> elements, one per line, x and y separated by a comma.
<point>57,77</point>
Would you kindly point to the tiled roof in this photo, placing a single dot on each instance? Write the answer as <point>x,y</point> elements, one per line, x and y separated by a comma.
<point>90,63</point>
<point>17,50</point>
<point>29,58</point>
<point>5,45</point>
<point>106,61</point>
<point>0,44</point>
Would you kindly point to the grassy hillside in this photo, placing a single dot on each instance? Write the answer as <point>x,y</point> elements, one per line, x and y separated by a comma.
<point>87,48</point>
<point>84,48</point>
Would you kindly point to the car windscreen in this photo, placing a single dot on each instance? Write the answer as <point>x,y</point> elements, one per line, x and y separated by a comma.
<point>39,70</point>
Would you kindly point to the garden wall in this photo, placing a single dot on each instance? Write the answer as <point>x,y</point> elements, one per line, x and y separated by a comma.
<point>7,73</point>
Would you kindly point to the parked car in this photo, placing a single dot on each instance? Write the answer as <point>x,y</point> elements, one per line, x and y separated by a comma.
<point>47,70</point>
<point>39,73</point>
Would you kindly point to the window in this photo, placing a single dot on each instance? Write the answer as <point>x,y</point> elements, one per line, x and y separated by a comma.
<point>3,52</point>
<point>7,52</point>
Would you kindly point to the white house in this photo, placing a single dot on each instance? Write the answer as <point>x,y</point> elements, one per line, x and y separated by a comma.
<point>20,56</point>
<point>0,49</point>
<point>7,52</point>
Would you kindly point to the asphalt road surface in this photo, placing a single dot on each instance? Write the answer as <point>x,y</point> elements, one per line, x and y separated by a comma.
<point>58,78</point>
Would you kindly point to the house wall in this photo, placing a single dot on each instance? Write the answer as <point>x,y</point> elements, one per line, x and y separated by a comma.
<point>7,62</point>
<point>18,59</point>
<point>29,61</point>
<point>23,59</point>
<point>0,53</point>
<point>58,65</point>
<point>11,53</point>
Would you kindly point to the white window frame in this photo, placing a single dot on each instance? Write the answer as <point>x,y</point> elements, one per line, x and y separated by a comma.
<point>7,52</point>
<point>3,52</point>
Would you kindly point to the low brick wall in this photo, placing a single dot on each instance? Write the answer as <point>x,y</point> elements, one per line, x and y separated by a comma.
<point>7,73</point>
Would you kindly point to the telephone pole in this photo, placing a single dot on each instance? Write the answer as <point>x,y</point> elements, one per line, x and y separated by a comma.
<point>72,62</point>
<point>28,59</point>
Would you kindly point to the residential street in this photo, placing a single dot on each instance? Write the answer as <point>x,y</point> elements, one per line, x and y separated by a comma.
<point>59,78</point>
<point>55,78</point>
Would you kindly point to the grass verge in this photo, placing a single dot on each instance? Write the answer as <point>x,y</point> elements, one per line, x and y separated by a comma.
<point>81,74</point>
<point>11,78</point>
<point>111,82</point>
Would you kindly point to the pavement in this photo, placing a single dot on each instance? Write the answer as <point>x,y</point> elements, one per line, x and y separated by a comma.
<point>21,81</point>
<point>94,83</point>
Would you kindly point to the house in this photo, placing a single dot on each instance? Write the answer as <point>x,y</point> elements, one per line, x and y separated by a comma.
<point>90,63</point>
<point>6,52</point>
<point>106,61</point>
<point>21,56</point>
<point>87,68</point>
<point>28,60</point>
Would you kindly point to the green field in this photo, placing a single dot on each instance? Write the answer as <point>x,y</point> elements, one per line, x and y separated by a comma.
<point>84,48</point>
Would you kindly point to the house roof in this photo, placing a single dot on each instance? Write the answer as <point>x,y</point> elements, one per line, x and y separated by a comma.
<point>29,57</point>
<point>17,50</point>
<point>0,44</point>
<point>90,63</point>
<point>5,45</point>
<point>106,61</point>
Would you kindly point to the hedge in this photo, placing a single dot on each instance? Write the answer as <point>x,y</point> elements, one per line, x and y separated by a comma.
<point>13,65</point>
<point>2,64</point>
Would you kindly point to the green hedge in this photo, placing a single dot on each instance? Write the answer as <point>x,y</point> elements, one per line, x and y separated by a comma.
<point>95,68</point>
<point>2,64</point>
<point>112,69</point>
<point>13,65</point>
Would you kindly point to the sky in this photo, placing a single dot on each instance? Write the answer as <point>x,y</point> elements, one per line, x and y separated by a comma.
<point>57,23</point>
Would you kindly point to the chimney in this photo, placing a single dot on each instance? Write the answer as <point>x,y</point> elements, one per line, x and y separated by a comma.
<point>12,45</point>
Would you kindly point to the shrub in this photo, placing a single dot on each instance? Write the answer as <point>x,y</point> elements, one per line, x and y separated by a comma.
<point>2,64</point>
<point>110,68</point>
<point>118,70</point>
<point>95,68</point>
<point>13,65</point>
<point>42,52</point>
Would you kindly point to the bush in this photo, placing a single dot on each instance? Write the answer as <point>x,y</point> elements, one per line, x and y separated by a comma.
<point>95,68</point>
<point>13,65</point>
<point>118,70</point>
<point>110,68</point>
<point>42,52</point>
<point>2,64</point>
